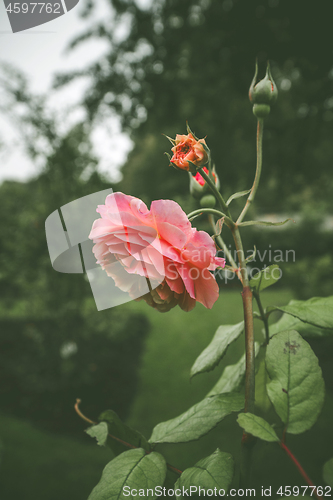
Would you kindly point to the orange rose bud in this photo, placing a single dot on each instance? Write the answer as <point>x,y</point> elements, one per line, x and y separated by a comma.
<point>189,153</point>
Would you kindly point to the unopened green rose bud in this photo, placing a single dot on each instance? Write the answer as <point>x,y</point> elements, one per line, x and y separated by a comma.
<point>262,94</point>
<point>261,110</point>
<point>208,201</point>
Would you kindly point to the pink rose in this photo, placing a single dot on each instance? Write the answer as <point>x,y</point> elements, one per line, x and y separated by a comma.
<point>186,149</point>
<point>157,247</point>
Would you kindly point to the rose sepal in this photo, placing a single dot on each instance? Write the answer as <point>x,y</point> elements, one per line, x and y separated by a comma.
<point>173,142</point>
<point>189,131</point>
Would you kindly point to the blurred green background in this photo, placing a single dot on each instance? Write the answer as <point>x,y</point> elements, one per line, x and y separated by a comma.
<point>177,61</point>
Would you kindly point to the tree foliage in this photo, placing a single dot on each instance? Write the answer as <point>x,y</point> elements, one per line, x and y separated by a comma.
<point>194,60</point>
<point>56,346</point>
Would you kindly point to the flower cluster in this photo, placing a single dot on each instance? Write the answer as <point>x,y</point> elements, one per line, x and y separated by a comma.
<point>160,247</point>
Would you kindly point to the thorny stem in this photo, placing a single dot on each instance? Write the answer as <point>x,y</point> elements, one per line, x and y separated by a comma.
<point>128,445</point>
<point>246,295</point>
<point>249,350</point>
<point>300,468</point>
<point>247,440</point>
<point>262,314</point>
<point>248,319</point>
<point>260,128</point>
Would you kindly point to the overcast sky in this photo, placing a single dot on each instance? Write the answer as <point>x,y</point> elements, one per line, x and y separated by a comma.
<point>40,52</point>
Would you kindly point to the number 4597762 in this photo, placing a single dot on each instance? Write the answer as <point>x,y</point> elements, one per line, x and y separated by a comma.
<point>31,7</point>
<point>287,491</point>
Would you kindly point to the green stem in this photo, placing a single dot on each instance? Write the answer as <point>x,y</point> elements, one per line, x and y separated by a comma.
<point>221,242</point>
<point>240,254</point>
<point>260,128</point>
<point>216,192</point>
<point>247,303</point>
<point>249,350</point>
<point>248,319</point>
<point>262,314</point>
<point>248,443</point>
<point>247,440</point>
<point>213,211</point>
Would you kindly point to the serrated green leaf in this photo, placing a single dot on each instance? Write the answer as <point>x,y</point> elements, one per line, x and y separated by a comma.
<point>122,431</point>
<point>328,472</point>
<point>232,376</point>
<point>288,322</point>
<point>215,471</point>
<point>317,311</point>
<point>263,223</point>
<point>198,420</point>
<point>265,278</point>
<point>134,469</point>
<point>296,386</point>
<point>257,426</point>
<point>100,432</point>
<point>237,195</point>
<point>212,355</point>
